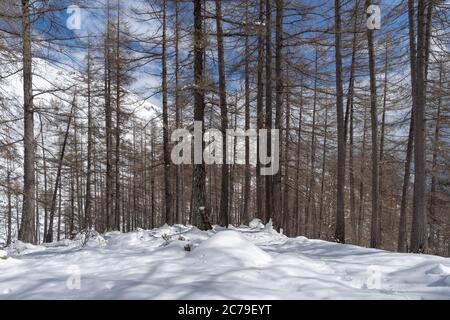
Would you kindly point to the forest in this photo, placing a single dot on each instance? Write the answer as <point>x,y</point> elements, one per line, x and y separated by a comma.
<point>358,91</point>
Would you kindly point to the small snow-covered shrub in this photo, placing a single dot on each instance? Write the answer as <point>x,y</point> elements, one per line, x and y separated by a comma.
<point>256,224</point>
<point>3,255</point>
<point>90,238</point>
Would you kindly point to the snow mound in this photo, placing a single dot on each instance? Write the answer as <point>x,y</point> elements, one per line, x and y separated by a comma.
<point>61,243</point>
<point>3,255</point>
<point>230,247</point>
<point>19,247</point>
<point>127,240</point>
<point>439,269</point>
<point>256,224</point>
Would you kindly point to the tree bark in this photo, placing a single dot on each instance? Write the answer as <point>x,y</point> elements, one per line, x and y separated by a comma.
<point>27,226</point>
<point>418,231</point>
<point>340,195</point>
<point>200,211</point>
<point>223,214</point>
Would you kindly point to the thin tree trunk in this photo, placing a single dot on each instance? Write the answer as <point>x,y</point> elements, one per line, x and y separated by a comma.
<point>277,203</point>
<point>117,199</point>
<point>245,218</point>
<point>178,115</point>
<point>324,160</point>
<point>298,225</point>
<point>382,134</point>
<point>375,238</point>
<point>166,147</point>
<point>8,201</point>
<point>308,213</point>
<point>361,214</point>
<point>49,237</point>
<point>260,113</point>
<point>287,214</point>
<point>340,194</point>
<point>402,236</point>
<point>88,201</point>
<point>44,164</point>
<point>349,121</point>
<point>268,124</point>
<point>436,141</point>
<point>223,214</point>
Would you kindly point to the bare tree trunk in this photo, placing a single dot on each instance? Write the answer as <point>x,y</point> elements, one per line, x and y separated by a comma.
<point>167,164</point>
<point>59,211</point>
<point>436,141</point>
<point>27,226</point>
<point>277,204</point>
<point>108,127</point>
<point>8,201</point>
<point>402,236</point>
<point>361,181</point>
<point>245,218</point>
<point>340,195</point>
<point>298,226</point>
<point>49,237</point>
<point>44,164</point>
<point>349,121</point>
<point>260,113</point>
<point>117,213</point>
<point>308,213</point>
<point>287,214</point>
<point>418,231</point>
<point>88,201</point>
<point>179,208</point>
<point>324,160</point>
<point>200,211</point>
<point>375,239</point>
<point>383,130</point>
<point>268,124</point>
<point>223,214</point>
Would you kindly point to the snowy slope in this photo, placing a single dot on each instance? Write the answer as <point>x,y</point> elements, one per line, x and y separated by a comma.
<point>241,263</point>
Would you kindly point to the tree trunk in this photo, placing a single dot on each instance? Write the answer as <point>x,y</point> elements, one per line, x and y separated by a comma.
<point>260,113</point>
<point>277,204</point>
<point>200,211</point>
<point>268,124</point>
<point>245,218</point>
<point>308,213</point>
<point>88,201</point>
<point>223,214</point>
<point>27,226</point>
<point>167,164</point>
<point>418,231</point>
<point>340,195</point>
<point>375,236</point>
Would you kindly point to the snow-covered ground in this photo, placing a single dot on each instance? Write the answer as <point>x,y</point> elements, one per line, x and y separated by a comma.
<point>240,263</point>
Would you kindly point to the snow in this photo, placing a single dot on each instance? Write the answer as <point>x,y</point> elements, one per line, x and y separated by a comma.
<point>230,248</point>
<point>238,263</point>
<point>256,224</point>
